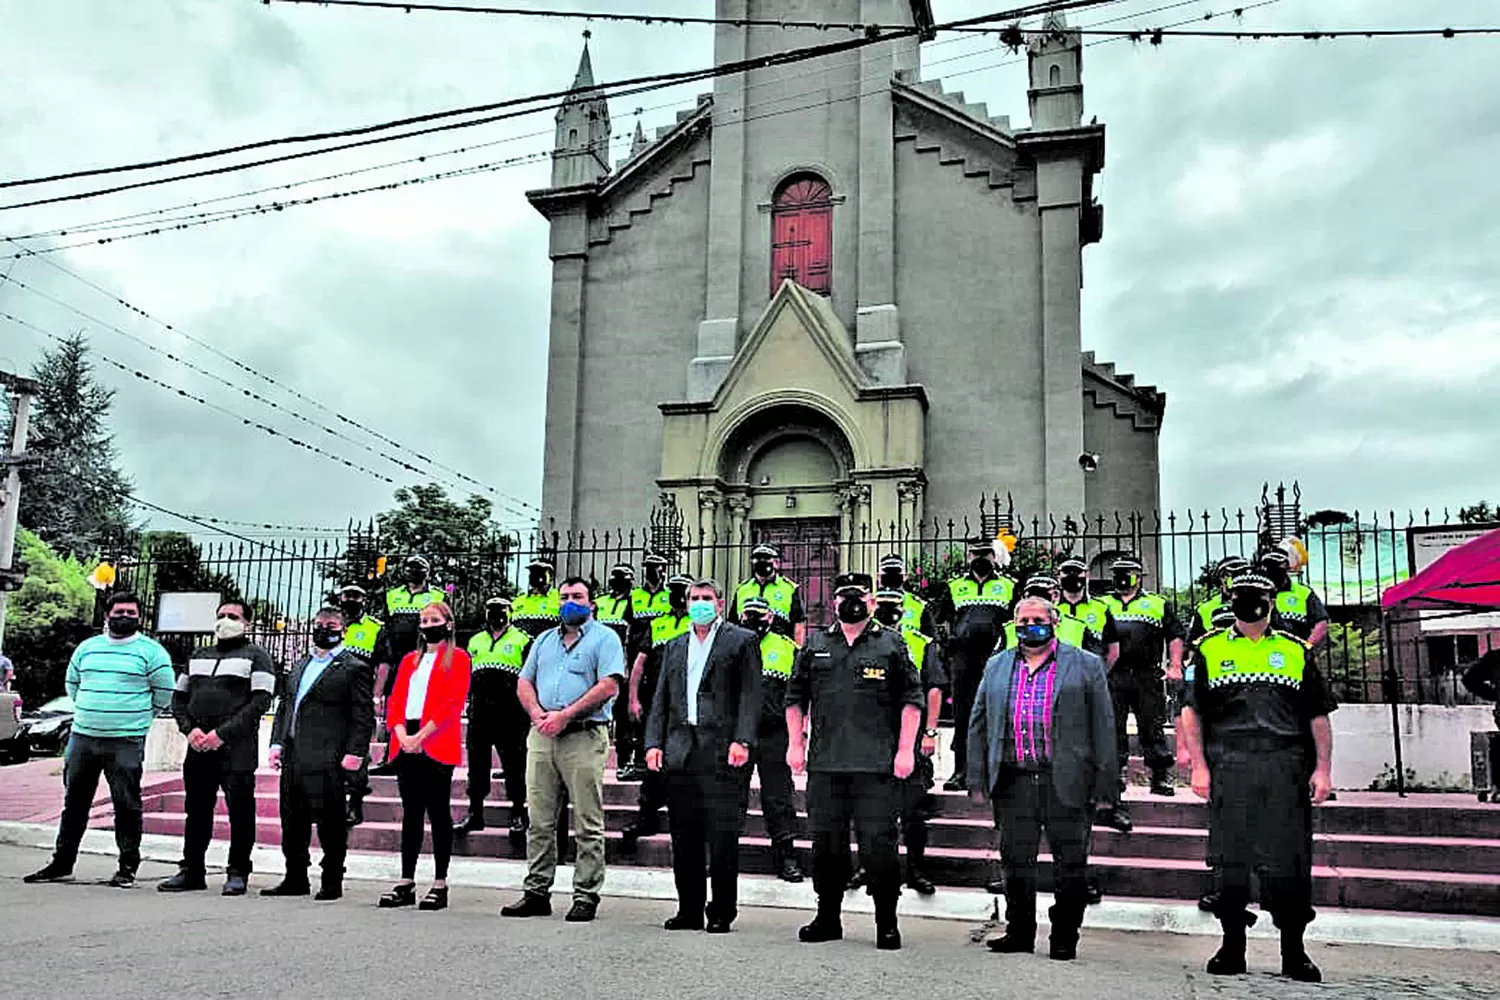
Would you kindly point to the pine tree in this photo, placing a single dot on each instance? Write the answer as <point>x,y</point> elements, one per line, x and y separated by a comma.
<point>76,499</point>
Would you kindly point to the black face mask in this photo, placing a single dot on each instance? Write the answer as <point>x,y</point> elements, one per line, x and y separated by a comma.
<point>1250,608</point>
<point>980,566</point>
<point>416,577</point>
<point>654,577</point>
<point>1073,584</point>
<point>762,567</point>
<point>537,579</point>
<point>353,610</point>
<point>497,620</point>
<point>888,614</point>
<point>1276,575</point>
<point>326,636</point>
<point>122,626</point>
<point>760,626</point>
<point>677,597</point>
<point>853,610</point>
<point>892,579</point>
<point>619,584</point>
<point>1125,581</point>
<point>435,633</point>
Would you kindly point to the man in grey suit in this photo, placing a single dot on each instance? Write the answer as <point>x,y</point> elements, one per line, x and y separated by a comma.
<point>700,732</point>
<point>1042,747</point>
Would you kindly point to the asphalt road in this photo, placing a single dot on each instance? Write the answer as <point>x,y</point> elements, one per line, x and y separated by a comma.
<point>85,940</point>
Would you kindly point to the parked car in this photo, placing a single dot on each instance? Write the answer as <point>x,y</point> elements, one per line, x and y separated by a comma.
<point>13,746</point>
<point>46,730</point>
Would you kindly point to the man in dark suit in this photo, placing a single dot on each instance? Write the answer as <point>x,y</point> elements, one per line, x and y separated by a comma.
<point>1041,745</point>
<point>322,731</point>
<point>700,732</point>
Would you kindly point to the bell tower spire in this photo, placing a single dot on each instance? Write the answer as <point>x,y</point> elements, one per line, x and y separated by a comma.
<point>1054,58</point>
<point>580,153</point>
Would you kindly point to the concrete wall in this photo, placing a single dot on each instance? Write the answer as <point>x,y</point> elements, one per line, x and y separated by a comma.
<point>1127,478</point>
<point>643,301</point>
<point>1434,743</point>
<point>960,241</point>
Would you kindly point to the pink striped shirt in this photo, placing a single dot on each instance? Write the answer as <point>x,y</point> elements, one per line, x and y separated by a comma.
<point>1030,739</point>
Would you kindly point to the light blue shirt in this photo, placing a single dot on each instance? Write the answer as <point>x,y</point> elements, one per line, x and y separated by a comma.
<point>562,676</point>
<point>310,674</point>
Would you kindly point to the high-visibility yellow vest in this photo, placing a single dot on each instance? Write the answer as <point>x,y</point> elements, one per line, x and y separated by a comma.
<point>1292,604</point>
<point>507,653</point>
<point>610,609</point>
<point>1207,608</point>
<point>778,594</point>
<point>533,608</point>
<point>668,627</point>
<point>400,601</point>
<point>966,592</point>
<point>1230,658</point>
<point>1094,614</point>
<point>646,605</point>
<point>912,609</point>
<point>1148,608</point>
<point>362,635</point>
<point>777,654</point>
<point>916,645</point>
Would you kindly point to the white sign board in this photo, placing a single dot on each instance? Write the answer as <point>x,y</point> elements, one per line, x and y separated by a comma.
<point>186,612</point>
<point>1424,547</point>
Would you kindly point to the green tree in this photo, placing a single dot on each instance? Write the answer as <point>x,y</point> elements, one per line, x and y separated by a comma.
<point>76,499</point>
<point>1479,513</point>
<point>51,613</point>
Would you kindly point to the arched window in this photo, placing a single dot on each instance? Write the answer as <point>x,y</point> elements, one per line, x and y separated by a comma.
<point>1054,76</point>
<point>802,234</point>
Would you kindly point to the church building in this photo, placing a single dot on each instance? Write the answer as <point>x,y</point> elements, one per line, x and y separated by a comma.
<point>833,295</point>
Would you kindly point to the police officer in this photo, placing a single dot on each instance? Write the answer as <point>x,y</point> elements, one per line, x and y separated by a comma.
<point>403,604</point>
<point>857,681</point>
<point>1147,626</point>
<point>615,609</point>
<point>497,722</point>
<point>915,613</point>
<point>646,604</point>
<point>1103,638</point>
<point>1258,730</point>
<point>975,610</point>
<point>778,803</point>
<point>539,609</point>
<point>1225,570</point>
<point>782,595</point>
<point>363,637</point>
<point>1298,608</point>
<point>1069,630</point>
<point>643,677</point>
<point>1223,617</point>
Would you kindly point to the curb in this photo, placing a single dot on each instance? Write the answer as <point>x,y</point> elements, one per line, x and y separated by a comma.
<point>973,906</point>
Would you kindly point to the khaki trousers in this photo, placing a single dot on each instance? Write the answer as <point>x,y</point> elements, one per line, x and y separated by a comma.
<point>574,762</point>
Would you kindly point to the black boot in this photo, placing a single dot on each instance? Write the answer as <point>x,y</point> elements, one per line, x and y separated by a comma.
<point>887,930</point>
<point>1294,961</point>
<point>1161,783</point>
<point>1229,960</point>
<point>473,820</point>
<point>355,814</point>
<point>1063,943</point>
<point>784,856</point>
<point>826,926</point>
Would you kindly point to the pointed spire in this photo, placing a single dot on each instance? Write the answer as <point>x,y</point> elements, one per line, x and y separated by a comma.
<point>638,141</point>
<point>584,79</point>
<point>1055,20</point>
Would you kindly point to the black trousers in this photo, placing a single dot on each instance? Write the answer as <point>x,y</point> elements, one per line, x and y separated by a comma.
<point>836,801</point>
<point>652,797</point>
<point>1140,690</point>
<point>778,794</point>
<point>629,734</point>
<point>203,775</point>
<point>497,728</point>
<point>915,807</point>
<point>426,786</point>
<point>120,759</point>
<point>312,796</point>
<point>705,806</point>
<point>1025,805</point>
<point>966,671</point>
<point>1260,823</point>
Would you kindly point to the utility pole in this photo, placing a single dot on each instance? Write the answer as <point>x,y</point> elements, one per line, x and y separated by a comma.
<point>10,499</point>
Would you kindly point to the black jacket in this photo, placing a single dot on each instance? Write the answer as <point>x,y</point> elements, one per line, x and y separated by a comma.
<point>729,698</point>
<point>226,690</point>
<point>336,717</point>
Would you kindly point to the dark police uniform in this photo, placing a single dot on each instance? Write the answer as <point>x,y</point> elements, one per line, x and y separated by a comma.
<point>1256,701</point>
<point>1145,625</point>
<point>855,695</point>
<point>782,596</point>
<point>778,802</point>
<point>497,721</point>
<point>915,804</point>
<point>645,607</point>
<point>976,612</point>
<point>653,794</point>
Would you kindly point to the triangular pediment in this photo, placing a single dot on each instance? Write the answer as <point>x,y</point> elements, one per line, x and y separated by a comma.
<point>775,355</point>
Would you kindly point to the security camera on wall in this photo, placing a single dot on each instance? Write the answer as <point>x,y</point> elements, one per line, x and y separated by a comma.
<point>1089,461</point>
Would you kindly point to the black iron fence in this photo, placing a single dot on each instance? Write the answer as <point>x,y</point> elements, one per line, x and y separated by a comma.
<point>1351,558</point>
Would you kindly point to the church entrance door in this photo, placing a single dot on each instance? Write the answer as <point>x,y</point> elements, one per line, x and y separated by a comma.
<point>809,557</point>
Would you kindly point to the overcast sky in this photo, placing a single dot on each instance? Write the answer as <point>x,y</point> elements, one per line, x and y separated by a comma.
<point>1301,239</point>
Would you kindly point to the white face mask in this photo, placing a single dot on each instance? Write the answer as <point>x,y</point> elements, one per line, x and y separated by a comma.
<point>229,628</point>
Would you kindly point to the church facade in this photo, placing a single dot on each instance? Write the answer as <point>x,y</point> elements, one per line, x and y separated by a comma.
<point>833,294</point>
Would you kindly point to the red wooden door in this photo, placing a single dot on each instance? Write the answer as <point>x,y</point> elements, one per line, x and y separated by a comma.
<point>802,235</point>
<point>809,558</point>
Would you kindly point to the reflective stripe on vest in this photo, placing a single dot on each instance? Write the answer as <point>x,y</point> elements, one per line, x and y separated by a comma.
<point>777,654</point>
<point>1292,604</point>
<point>912,609</point>
<point>361,636</point>
<point>506,653</point>
<point>646,605</point>
<point>1230,658</point>
<point>668,627</point>
<point>1150,609</point>
<point>778,594</point>
<point>966,592</point>
<point>610,609</point>
<point>400,601</point>
<point>529,607</point>
<point>916,645</point>
<point>1093,613</point>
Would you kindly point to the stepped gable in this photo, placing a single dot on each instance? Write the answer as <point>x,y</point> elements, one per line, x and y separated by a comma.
<point>677,156</point>
<point>1143,405</point>
<point>961,134</point>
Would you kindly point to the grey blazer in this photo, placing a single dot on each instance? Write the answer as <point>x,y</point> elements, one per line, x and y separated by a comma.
<point>1084,765</point>
<point>729,697</point>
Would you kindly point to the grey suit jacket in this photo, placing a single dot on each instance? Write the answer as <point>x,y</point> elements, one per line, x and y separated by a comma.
<point>729,697</point>
<point>1084,765</point>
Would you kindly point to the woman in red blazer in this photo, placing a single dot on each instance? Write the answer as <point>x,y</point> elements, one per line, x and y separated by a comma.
<point>425,713</point>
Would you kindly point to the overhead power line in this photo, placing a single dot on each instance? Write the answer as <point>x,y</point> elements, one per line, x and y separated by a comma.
<point>585,15</point>
<point>634,85</point>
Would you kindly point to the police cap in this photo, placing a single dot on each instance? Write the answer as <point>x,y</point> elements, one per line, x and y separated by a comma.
<point>1254,581</point>
<point>418,561</point>
<point>765,551</point>
<point>679,580</point>
<point>352,590</point>
<point>542,562</point>
<point>654,559</point>
<point>1275,557</point>
<point>1042,584</point>
<point>852,583</point>
<point>755,606</point>
<point>1230,565</point>
<point>498,602</point>
<point>979,545</point>
<point>893,561</point>
<point>623,569</point>
<point>890,597</point>
<point>1129,564</point>
<point>1073,565</point>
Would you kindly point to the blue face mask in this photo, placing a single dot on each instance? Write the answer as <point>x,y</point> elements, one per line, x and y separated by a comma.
<point>574,614</point>
<point>1034,635</point>
<point>703,612</point>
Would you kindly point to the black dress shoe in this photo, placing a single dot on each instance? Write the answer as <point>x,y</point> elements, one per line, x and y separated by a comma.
<point>857,880</point>
<point>920,884</point>
<point>328,892</point>
<point>821,930</point>
<point>1011,944</point>
<point>1062,950</point>
<point>718,927</point>
<point>583,911</point>
<point>530,905</point>
<point>1300,968</point>
<point>183,882</point>
<point>355,814</point>
<point>1163,787</point>
<point>1208,902</point>
<point>235,884</point>
<point>682,922</point>
<point>1226,963</point>
<point>472,822</point>
<point>888,939</point>
<point>122,879</point>
<point>1093,894</point>
<point>629,773</point>
<point>788,871</point>
<point>289,887</point>
<point>50,872</point>
<point>957,783</point>
<point>995,887</point>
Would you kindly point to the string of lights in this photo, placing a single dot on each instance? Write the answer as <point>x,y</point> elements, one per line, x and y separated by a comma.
<point>619,88</point>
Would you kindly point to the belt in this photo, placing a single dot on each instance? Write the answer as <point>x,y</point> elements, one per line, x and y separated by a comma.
<point>581,727</point>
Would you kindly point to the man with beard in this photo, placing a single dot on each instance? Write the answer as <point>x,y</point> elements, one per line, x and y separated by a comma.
<point>643,678</point>
<point>497,722</point>
<point>975,610</point>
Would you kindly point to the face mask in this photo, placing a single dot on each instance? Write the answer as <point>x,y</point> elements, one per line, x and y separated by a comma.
<point>853,610</point>
<point>677,597</point>
<point>1034,636</point>
<point>1276,574</point>
<point>327,636</point>
<point>980,566</point>
<point>762,567</point>
<point>416,577</point>
<point>353,610</point>
<point>1125,581</point>
<point>703,612</point>
<point>654,576</point>
<point>619,584</point>
<point>435,633</point>
<point>228,628</point>
<point>497,620</point>
<point>1250,607</point>
<point>887,614</point>
<point>574,614</point>
<point>122,626</point>
<point>760,626</point>
<point>892,579</point>
<point>1073,584</point>
<point>537,579</point>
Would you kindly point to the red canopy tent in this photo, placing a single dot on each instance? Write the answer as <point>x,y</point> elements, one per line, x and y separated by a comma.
<point>1466,578</point>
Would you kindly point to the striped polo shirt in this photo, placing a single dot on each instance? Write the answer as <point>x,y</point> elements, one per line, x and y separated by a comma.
<point>118,686</point>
